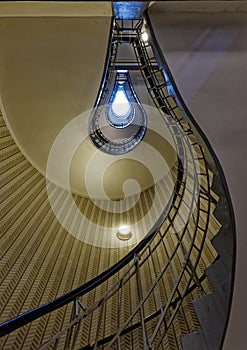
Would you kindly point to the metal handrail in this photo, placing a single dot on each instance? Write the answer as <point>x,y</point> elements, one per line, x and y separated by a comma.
<point>132,258</point>
<point>216,162</point>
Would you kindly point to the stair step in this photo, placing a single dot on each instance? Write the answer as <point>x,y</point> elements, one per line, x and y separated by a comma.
<point>211,317</point>
<point>194,341</point>
<point>223,243</point>
<point>218,276</point>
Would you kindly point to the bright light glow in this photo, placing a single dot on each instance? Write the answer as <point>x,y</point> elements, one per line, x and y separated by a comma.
<point>124,230</point>
<point>121,106</point>
<point>145,36</point>
<point>124,233</point>
<point>122,71</point>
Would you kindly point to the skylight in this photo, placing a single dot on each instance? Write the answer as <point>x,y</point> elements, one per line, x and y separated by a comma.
<point>121,106</point>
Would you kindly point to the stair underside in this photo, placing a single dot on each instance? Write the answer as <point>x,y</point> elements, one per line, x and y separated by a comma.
<point>40,260</point>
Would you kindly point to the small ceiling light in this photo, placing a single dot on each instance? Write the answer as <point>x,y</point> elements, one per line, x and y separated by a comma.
<point>122,70</point>
<point>124,233</point>
<point>145,37</point>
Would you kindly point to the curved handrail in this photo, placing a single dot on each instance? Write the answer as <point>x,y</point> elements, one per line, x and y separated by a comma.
<point>215,160</point>
<point>36,313</point>
<point>29,316</point>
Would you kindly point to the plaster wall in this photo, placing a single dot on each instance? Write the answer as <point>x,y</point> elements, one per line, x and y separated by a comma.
<point>207,54</point>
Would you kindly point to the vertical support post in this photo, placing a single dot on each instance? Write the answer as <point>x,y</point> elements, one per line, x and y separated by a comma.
<point>120,299</point>
<point>139,292</point>
<point>102,308</point>
<point>70,330</point>
<point>78,324</point>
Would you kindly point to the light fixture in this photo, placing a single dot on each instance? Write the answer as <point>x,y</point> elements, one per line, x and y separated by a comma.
<point>145,37</point>
<point>124,233</point>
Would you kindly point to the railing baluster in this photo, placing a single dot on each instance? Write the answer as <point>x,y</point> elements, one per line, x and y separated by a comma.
<point>70,330</point>
<point>188,156</point>
<point>141,305</point>
<point>102,309</point>
<point>120,300</point>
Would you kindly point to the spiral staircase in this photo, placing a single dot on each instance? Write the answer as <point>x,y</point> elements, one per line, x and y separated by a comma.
<point>167,289</point>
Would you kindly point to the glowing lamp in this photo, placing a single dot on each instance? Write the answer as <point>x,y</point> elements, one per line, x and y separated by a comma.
<point>124,233</point>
